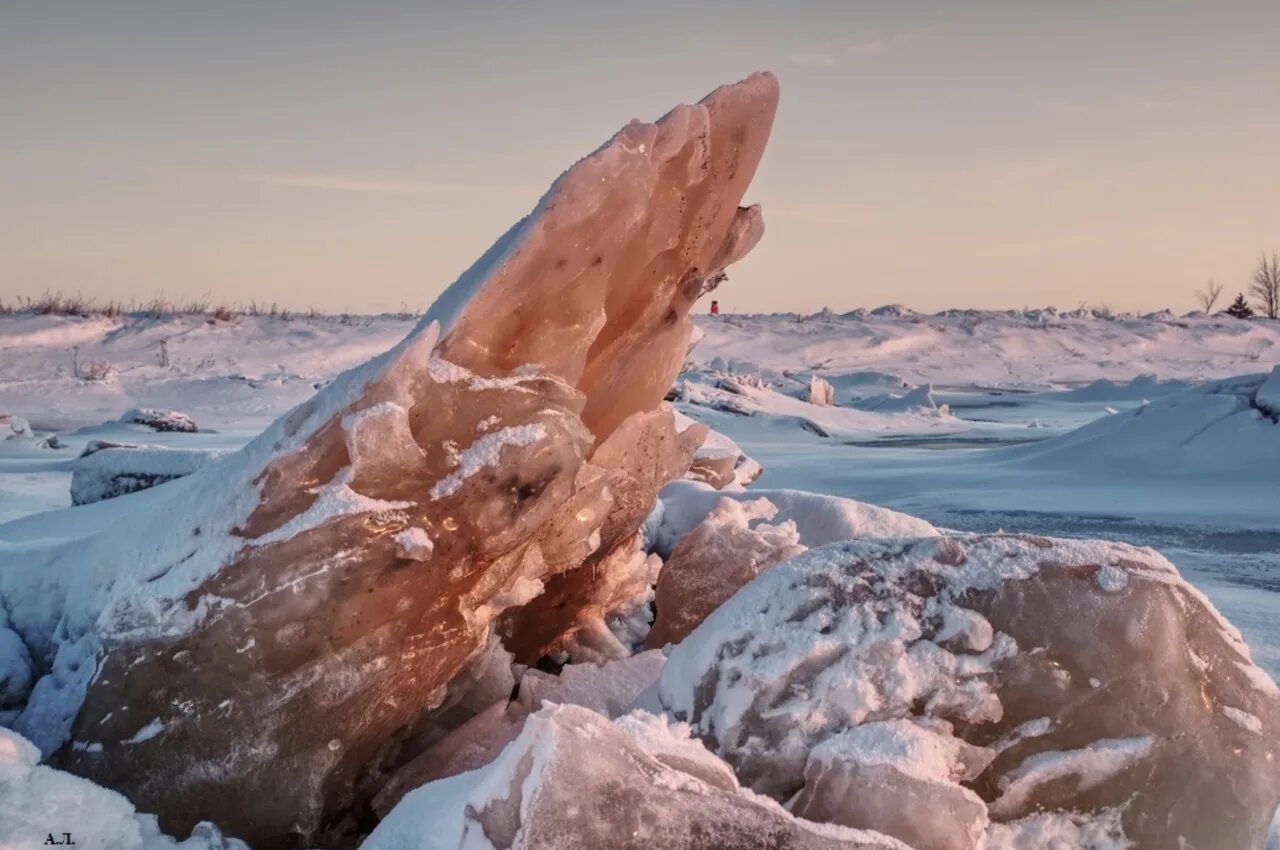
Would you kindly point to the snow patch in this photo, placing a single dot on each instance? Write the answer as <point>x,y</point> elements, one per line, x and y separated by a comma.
<point>1090,766</point>
<point>486,452</point>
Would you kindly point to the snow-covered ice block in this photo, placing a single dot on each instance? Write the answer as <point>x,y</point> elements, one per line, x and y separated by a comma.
<point>720,555</point>
<point>608,689</point>
<point>820,392</point>
<point>899,778</point>
<point>1096,679</point>
<point>117,471</point>
<point>719,461</point>
<point>819,518</point>
<point>1268,395</point>
<point>13,427</point>
<point>573,780</point>
<point>919,398</point>
<point>1141,387</point>
<point>160,420</point>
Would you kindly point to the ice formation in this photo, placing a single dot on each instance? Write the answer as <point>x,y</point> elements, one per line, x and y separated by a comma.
<point>573,780</point>
<point>715,542</point>
<point>261,642</point>
<point>1048,678</point>
<point>821,392</point>
<point>1267,398</point>
<point>13,427</point>
<point>780,399</point>
<point>719,461</point>
<point>715,559</point>
<point>336,624</point>
<point>633,464</point>
<point>105,472</point>
<point>608,689</point>
<point>899,778</point>
<point>920,398</point>
<point>160,420</point>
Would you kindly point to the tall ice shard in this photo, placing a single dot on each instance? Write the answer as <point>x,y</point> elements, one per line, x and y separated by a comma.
<point>256,644</point>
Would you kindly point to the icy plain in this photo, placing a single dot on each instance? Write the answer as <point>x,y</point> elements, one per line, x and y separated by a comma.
<point>1203,487</point>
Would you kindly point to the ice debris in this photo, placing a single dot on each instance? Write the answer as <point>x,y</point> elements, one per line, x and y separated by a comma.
<point>978,640</point>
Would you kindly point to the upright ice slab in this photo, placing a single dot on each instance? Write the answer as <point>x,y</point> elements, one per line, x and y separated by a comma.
<point>258,643</point>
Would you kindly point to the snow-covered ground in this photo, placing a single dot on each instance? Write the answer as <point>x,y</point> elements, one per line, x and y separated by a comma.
<point>981,443</point>
<point>1011,349</point>
<point>1064,425</point>
<point>1157,431</point>
<point>232,378</point>
<point>986,448</point>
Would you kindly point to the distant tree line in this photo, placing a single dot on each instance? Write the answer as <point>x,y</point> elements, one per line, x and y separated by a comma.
<point>1264,290</point>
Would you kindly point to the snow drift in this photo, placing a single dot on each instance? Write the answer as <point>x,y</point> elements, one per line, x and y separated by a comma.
<point>1039,349</point>
<point>1226,429</point>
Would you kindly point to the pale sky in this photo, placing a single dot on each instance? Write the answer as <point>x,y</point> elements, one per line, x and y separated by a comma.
<point>354,156</point>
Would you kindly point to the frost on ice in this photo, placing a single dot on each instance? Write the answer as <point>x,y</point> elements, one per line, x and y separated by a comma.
<point>261,642</point>
<point>998,677</point>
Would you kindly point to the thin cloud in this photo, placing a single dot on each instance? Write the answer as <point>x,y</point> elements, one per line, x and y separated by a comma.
<point>843,52</point>
<point>875,46</point>
<point>314,181</point>
<point>814,60</point>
